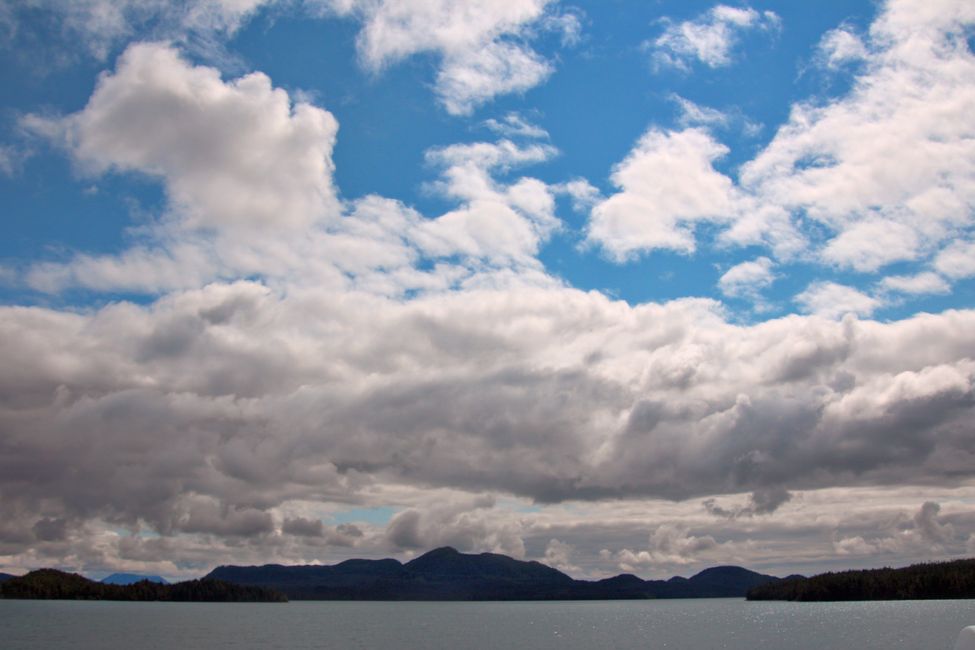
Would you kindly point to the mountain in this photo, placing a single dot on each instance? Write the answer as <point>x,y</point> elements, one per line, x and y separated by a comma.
<point>51,584</point>
<point>939,580</point>
<point>446,574</point>
<point>6,576</point>
<point>131,579</point>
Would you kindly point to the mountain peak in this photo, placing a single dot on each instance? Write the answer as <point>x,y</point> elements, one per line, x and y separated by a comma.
<point>442,551</point>
<point>132,578</point>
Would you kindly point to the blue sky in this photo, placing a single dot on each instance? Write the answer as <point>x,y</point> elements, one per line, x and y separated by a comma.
<point>407,272</point>
<point>606,88</point>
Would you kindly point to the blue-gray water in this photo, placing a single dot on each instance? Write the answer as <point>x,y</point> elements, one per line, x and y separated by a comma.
<point>694,624</point>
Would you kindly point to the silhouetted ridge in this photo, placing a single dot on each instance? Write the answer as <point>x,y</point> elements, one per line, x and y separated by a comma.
<point>6,576</point>
<point>941,580</point>
<point>447,562</point>
<point>447,574</point>
<point>51,584</point>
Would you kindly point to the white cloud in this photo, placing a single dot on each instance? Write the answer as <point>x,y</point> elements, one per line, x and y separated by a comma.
<point>871,244</point>
<point>840,46</point>
<point>482,44</point>
<point>692,114</point>
<point>843,164</point>
<point>500,223</point>
<point>514,125</point>
<point>248,174</point>
<point>475,76</point>
<point>559,555</point>
<point>670,546</point>
<point>834,185</point>
<point>925,532</point>
<point>957,260</point>
<point>922,283</point>
<point>102,24</point>
<point>709,38</point>
<point>833,300</point>
<point>468,525</point>
<point>668,184</point>
<point>747,279</point>
<point>584,195</point>
<point>232,154</point>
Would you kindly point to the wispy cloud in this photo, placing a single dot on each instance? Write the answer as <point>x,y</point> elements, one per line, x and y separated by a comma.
<point>710,38</point>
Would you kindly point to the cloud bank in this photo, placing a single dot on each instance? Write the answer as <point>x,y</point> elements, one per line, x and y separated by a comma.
<point>300,361</point>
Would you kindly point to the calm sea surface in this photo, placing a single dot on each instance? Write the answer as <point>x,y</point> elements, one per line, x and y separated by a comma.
<point>693,624</point>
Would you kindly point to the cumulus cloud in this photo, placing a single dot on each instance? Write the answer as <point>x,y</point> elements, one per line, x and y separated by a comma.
<point>248,175</point>
<point>667,185</point>
<point>841,46</point>
<point>922,283</point>
<point>833,184</point>
<point>496,222</point>
<point>465,525</point>
<point>833,300</point>
<point>926,531</point>
<point>558,555</point>
<point>483,46</point>
<point>205,409</point>
<point>957,260</point>
<point>747,279</point>
<point>709,38</point>
<point>670,546</point>
<point>232,154</point>
<point>840,163</point>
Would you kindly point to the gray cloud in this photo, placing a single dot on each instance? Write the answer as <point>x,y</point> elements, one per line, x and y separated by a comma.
<point>760,502</point>
<point>205,410</point>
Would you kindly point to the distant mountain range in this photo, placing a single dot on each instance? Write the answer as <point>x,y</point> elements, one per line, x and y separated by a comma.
<point>939,580</point>
<point>131,579</point>
<point>6,576</point>
<point>446,574</point>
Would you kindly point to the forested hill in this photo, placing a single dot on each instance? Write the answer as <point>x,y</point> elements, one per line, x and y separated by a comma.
<point>51,584</point>
<point>447,574</point>
<point>943,580</point>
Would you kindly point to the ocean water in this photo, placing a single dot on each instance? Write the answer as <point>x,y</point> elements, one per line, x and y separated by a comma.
<point>729,624</point>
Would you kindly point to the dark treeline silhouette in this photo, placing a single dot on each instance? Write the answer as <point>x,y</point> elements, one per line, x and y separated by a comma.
<point>942,580</point>
<point>446,574</point>
<point>51,584</point>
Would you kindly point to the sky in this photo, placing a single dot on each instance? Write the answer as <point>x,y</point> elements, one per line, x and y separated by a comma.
<point>619,286</point>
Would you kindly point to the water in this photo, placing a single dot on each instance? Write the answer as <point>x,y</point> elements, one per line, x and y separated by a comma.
<point>727,624</point>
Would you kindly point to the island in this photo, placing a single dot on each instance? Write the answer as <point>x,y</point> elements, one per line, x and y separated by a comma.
<point>937,580</point>
<point>51,584</point>
<point>447,574</point>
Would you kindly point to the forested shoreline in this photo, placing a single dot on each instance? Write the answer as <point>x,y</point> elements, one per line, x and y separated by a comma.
<point>51,584</point>
<point>939,580</point>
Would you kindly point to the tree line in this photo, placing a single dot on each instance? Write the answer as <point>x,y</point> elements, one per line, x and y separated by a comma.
<point>939,580</point>
<point>51,584</point>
